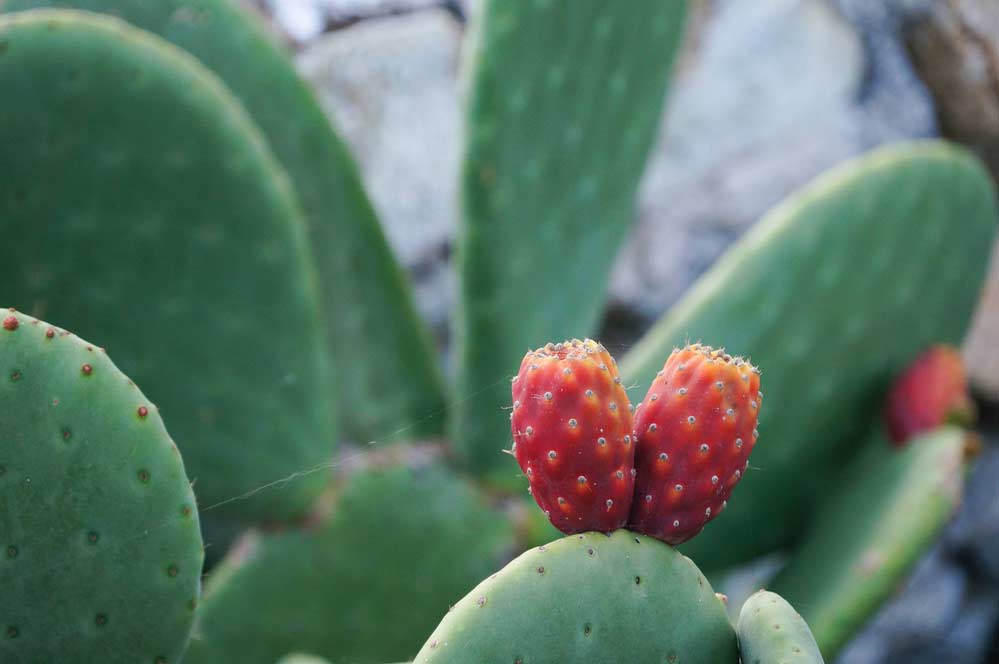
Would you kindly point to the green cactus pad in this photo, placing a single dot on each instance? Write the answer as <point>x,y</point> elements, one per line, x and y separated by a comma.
<point>772,632</point>
<point>372,326</point>
<point>141,207</point>
<point>831,294</point>
<point>588,598</point>
<point>367,585</point>
<point>559,129</point>
<point>862,544</point>
<point>101,551</point>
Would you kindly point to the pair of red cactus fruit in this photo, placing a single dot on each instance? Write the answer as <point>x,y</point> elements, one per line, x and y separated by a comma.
<point>668,466</point>
<point>663,468</point>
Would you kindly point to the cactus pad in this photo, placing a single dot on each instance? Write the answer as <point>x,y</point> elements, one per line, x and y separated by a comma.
<point>365,586</point>
<point>588,598</point>
<point>863,543</point>
<point>369,342</point>
<point>772,632</point>
<point>101,552</point>
<point>558,134</point>
<point>140,206</point>
<point>831,294</point>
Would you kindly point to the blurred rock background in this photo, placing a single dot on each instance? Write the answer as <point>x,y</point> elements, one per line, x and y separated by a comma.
<point>766,96</point>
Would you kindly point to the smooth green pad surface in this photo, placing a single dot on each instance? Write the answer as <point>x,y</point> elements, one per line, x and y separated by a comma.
<point>373,329</point>
<point>565,102</point>
<point>142,208</point>
<point>831,294</point>
<point>772,632</point>
<point>588,598</point>
<point>865,540</point>
<point>298,658</point>
<point>101,551</point>
<point>400,546</point>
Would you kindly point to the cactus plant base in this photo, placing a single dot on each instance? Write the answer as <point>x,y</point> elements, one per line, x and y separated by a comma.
<point>362,586</point>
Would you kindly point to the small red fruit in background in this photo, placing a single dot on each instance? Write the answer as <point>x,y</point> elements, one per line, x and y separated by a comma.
<point>573,437</point>
<point>931,392</point>
<point>695,428</point>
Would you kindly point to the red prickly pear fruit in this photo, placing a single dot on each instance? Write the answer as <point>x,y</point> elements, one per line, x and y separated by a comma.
<point>695,429</point>
<point>932,391</point>
<point>573,437</point>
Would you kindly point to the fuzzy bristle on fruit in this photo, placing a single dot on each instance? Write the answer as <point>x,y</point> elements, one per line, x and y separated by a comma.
<point>573,436</point>
<point>696,428</point>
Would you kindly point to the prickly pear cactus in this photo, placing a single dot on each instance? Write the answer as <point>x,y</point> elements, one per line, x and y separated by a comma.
<point>101,551</point>
<point>369,342</point>
<point>558,133</point>
<point>588,598</point>
<point>890,506</point>
<point>366,585</point>
<point>837,289</point>
<point>770,630</point>
<point>141,206</point>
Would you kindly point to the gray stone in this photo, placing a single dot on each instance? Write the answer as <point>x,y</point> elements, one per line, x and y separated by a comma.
<point>921,614</point>
<point>470,9</point>
<point>868,648</point>
<point>893,103</point>
<point>300,20</point>
<point>974,534</point>
<point>775,93</point>
<point>979,349</point>
<point>967,641</point>
<point>390,86</point>
<point>955,48</point>
<point>304,20</point>
<point>345,10</point>
<point>929,602</point>
<point>971,637</point>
